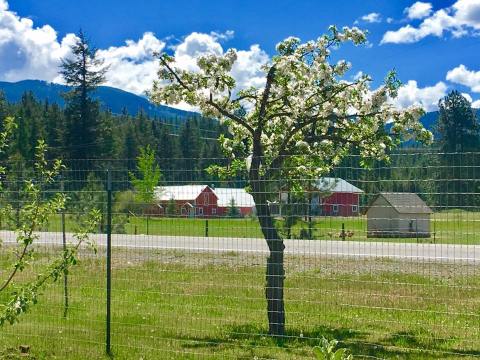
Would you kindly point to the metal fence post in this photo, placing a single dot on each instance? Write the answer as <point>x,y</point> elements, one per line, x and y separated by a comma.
<point>148,218</point>
<point>64,243</point>
<point>109,261</point>
<point>206,228</point>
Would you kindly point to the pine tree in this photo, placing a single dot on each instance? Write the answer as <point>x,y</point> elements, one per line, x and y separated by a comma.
<point>459,138</point>
<point>232,211</point>
<point>168,153</point>
<point>190,149</point>
<point>84,72</point>
<point>457,124</point>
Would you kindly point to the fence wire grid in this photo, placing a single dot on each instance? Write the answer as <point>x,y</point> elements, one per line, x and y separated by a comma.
<point>384,260</point>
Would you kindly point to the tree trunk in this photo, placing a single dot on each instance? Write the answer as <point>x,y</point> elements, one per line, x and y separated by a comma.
<point>275,272</point>
<point>275,275</point>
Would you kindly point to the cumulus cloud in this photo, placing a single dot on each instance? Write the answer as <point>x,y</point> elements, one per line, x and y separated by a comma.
<point>427,97</point>
<point>418,10</point>
<point>461,19</point>
<point>29,52</point>
<point>246,70</point>
<point>476,104</point>
<point>463,76</point>
<point>372,17</point>
<point>132,67</point>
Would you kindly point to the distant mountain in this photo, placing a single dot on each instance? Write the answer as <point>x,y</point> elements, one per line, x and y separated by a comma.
<point>109,97</point>
<point>116,99</point>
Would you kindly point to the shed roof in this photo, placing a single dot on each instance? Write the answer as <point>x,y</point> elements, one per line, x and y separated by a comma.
<point>336,185</point>
<point>405,203</point>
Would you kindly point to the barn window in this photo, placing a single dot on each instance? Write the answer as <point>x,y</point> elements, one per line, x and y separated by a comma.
<point>214,211</point>
<point>200,211</point>
<point>354,208</point>
<point>335,208</point>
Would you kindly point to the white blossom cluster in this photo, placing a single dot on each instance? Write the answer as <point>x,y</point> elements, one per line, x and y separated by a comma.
<point>306,118</point>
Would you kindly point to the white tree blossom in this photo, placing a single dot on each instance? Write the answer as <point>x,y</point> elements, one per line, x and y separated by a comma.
<point>298,126</point>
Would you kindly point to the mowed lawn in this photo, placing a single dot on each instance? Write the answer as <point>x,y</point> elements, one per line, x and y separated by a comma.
<point>453,227</point>
<point>180,305</point>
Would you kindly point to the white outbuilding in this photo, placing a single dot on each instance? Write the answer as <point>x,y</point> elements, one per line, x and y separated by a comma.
<point>395,214</point>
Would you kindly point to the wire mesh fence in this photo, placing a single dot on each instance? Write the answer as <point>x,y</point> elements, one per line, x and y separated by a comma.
<point>384,260</point>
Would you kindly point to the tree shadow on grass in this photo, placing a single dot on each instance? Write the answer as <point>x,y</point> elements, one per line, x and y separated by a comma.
<point>255,336</point>
<point>401,345</point>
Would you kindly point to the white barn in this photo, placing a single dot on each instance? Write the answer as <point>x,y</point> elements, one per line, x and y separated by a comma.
<point>398,215</point>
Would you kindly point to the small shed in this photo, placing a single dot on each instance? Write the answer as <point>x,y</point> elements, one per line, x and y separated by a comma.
<point>398,214</point>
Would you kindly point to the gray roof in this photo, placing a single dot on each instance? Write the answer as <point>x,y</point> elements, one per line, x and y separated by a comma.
<point>336,185</point>
<point>406,203</point>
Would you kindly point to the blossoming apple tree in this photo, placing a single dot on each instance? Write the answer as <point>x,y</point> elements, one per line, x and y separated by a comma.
<point>299,125</point>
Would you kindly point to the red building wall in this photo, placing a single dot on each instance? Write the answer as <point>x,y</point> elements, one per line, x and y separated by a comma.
<point>206,204</point>
<point>344,203</point>
<point>244,211</point>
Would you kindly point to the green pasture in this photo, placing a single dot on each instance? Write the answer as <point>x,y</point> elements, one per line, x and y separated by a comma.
<point>179,305</point>
<point>447,227</point>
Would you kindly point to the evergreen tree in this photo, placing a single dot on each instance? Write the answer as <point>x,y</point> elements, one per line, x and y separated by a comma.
<point>168,153</point>
<point>457,124</point>
<point>190,149</point>
<point>459,136</point>
<point>232,211</point>
<point>84,72</point>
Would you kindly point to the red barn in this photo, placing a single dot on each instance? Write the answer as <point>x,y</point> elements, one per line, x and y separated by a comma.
<point>190,200</point>
<point>201,201</point>
<point>329,197</point>
<point>336,197</point>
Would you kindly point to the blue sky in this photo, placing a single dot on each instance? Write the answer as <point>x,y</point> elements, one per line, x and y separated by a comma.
<point>423,41</point>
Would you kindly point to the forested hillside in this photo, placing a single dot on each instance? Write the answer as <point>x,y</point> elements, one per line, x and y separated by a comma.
<point>112,99</point>
<point>116,136</point>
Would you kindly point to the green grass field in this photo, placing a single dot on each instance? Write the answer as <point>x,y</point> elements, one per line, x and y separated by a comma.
<point>179,305</point>
<point>454,227</point>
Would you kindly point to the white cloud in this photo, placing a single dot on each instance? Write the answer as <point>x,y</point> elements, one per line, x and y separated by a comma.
<point>467,96</point>
<point>463,76</point>
<point>372,17</point>
<point>476,104</point>
<point>418,10</point>
<point>247,70</point>
<point>390,20</point>
<point>427,97</point>
<point>358,75</point>
<point>132,67</point>
<point>29,52</point>
<point>461,19</point>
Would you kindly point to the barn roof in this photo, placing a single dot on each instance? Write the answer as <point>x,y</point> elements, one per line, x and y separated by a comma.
<point>331,184</point>
<point>179,192</point>
<point>240,196</point>
<point>405,203</point>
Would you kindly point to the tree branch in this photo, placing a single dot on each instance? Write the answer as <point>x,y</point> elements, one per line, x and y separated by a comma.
<point>169,68</point>
<point>231,116</point>
<point>266,94</point>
